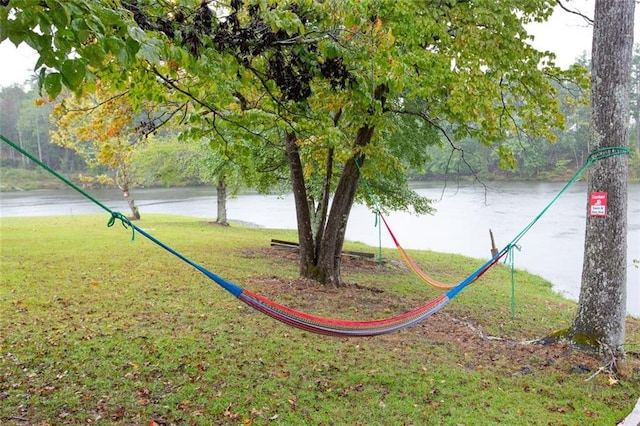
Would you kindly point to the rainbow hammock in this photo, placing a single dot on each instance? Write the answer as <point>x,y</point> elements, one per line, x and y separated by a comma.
<point>411,263</point>
<point>302,320</point>
<point>323,325</point>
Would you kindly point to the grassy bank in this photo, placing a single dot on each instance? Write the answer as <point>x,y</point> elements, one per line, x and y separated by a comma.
<point>97,329</point>
<point>13,179</point>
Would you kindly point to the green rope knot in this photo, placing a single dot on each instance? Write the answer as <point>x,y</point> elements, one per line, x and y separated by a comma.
<point>126,223</point>
<point>510,257</point>
<point>606,152</point>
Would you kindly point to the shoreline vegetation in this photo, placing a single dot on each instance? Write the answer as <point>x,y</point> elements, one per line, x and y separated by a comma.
<point>16,179</point>
<point>98,329</point>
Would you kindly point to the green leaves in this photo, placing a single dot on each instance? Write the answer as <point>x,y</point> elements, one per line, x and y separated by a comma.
<point>51,83</point>
<point>73,72</point>
<point>73,38</point>
<point>151,50</point>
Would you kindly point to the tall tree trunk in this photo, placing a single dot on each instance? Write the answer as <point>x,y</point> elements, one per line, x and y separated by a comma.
<point>600,319</point>
<point>331,246</point>
<point>637,117</point>
<point>135,213</point>
<point>221,198</point>
<point>37,118</point>
<point>307,265</point>
<point>22,157</point>
<point>323,206</point>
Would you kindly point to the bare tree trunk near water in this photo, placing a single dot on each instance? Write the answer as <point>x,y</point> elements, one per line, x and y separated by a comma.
<point>601,315</point>
<point>221,198</point>
<point>123,181</point>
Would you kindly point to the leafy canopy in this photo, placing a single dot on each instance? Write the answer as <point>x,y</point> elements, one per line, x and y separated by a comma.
<point>243,74</point>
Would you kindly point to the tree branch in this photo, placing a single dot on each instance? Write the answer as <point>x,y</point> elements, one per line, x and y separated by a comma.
<point>575,12</point>
<point>454,147</point>
<point>96,105</point>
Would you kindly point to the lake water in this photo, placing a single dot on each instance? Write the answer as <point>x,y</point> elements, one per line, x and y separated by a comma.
<point>553,248</point>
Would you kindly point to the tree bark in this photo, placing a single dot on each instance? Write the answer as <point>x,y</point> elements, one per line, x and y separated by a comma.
<point>333,239</point>
<point>122,180</point>
<point>600,319</point>
<point>38,137</point>
<point>323,206</point>
<point>638,112</point>
<point>221,199</point>
<point>307,263</point>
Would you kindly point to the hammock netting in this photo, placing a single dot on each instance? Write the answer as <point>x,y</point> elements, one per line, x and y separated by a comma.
<point>318,324</point>
<point>412,264</point>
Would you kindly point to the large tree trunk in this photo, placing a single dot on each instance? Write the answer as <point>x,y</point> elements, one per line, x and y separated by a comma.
<point>221,199</point>
<point>320,216</point>
<point>303,215</point>
<point>329,257</point>
<point>322,262</point>
<point>320,253</point>
<point>600,319</point>
<point>637,94</point>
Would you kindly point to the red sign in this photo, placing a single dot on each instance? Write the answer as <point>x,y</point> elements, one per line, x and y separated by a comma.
<point>598,204</point>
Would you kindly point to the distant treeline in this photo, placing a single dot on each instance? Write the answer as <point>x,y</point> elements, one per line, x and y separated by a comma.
<point>24,118</point>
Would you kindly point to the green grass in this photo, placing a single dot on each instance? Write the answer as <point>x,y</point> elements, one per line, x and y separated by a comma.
<point>97,329</point>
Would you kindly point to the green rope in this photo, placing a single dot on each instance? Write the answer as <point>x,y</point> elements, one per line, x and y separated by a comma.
<point>511,258</point>
<point>598,154</point>
<point>379,225</point>
<point>126,223</point>
<point>114,215</point>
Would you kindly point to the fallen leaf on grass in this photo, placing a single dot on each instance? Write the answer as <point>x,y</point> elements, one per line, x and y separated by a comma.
<point>228,413</point>
<point>118,414</point>
<point>293,400</point>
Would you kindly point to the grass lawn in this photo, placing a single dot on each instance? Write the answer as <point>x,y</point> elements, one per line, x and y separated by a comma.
<point>96,329</point>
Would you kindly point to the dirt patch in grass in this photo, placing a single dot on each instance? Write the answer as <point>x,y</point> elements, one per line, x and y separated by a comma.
<point>475,349</point>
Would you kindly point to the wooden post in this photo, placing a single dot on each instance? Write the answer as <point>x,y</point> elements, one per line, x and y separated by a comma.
<point>494,249</point>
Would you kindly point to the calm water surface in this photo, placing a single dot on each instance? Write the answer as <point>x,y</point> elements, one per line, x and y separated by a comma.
<point>553,248</point>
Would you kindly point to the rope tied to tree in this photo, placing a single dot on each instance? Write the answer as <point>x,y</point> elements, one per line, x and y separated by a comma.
<point>606,152</point>
<point>595,155</point>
